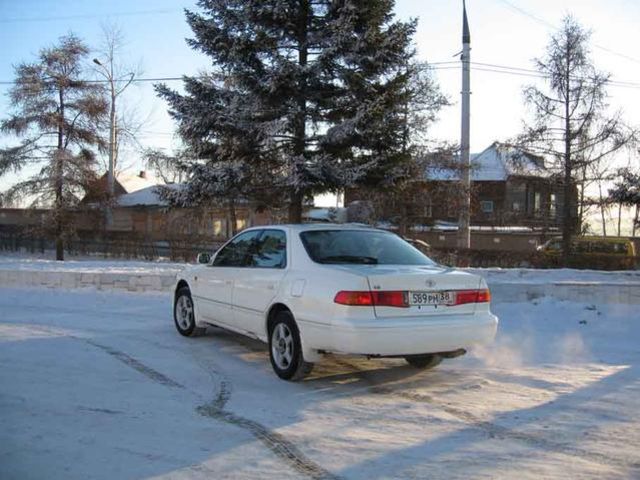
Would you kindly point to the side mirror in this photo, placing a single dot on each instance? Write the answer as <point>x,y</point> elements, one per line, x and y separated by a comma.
<point>204,257</point>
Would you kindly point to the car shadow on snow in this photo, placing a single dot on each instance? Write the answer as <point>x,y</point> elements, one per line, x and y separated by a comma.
<point>530,432</point>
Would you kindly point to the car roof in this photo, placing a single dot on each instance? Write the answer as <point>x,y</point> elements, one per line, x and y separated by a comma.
<point>303,227</point>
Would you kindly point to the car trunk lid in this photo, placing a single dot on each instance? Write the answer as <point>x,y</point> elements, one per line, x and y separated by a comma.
<point>430,290</point>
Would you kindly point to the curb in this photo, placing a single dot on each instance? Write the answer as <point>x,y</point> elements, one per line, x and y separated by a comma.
<point>138,282</point>
<point>586,292</point>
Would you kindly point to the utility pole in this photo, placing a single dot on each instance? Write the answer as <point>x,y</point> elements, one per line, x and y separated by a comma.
<point>464,230</point>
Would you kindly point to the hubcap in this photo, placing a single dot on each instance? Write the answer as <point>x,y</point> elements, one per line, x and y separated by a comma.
<point>184,312</point>
<point>282,346</point>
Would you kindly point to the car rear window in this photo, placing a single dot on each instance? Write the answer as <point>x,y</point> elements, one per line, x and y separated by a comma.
<point>363,247</point>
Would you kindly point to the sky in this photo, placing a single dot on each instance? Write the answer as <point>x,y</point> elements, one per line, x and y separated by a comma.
<point>503,33</point>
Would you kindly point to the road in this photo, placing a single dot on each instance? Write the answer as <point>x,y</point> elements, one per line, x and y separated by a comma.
<point>97,385</point>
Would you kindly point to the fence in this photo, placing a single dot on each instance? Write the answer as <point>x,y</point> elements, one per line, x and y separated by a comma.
<point>113,246</point>
<point>183,248</point>
<point>510,259</point>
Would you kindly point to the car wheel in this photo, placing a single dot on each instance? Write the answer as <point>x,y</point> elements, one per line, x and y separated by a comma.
<point>424,361</point>
<point>285,348</point>
<point>184,314</point>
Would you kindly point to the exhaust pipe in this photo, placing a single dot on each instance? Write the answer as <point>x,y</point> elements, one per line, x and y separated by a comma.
<point>453,353</point>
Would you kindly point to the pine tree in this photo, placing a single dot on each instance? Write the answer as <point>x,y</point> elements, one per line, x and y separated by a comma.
<point>314,86</point>
<point>402,196</point>
<point>56,113</point>
<point>222,183</point>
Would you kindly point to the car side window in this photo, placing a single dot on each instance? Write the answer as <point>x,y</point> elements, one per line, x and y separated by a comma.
<point>270,250</point>
<point>236,252</point>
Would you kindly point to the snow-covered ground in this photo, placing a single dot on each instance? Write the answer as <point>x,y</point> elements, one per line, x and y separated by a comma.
<point>99,385</point>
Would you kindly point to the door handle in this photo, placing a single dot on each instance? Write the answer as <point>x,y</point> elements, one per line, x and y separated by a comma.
<point>271,286</point>
<point>228,282</point>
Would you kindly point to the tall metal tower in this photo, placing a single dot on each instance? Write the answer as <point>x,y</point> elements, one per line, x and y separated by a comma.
<point>464,234</point>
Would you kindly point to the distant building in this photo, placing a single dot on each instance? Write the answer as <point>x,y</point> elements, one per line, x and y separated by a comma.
<point>510,187</point>
<point>123,183</point>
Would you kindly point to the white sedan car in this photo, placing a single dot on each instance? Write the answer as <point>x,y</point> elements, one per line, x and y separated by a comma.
<point>312,289</point>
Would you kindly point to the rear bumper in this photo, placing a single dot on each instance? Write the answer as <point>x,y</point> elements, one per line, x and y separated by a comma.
<point>409,336</point>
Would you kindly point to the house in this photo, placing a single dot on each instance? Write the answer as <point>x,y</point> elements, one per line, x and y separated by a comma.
<point>509,187</point>
<point>123,183</point>
<point>145,213</point>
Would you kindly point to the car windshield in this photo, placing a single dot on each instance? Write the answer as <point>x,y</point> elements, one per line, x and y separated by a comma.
<point>364,247</point>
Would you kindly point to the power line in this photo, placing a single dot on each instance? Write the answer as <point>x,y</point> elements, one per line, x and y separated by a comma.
<point>541,21</point>
<point>135,80</point>
<point>477,66</point>
<point>521,11</point>
<point>527,72</point>
<point>491,67</point>
<point>86,16</point>
<point>173,79</point>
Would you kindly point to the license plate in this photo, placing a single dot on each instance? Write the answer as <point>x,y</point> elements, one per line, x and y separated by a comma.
<point>432,298</point>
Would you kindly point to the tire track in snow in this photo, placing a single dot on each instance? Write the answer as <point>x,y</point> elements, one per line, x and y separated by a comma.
<point>493,430</point>
<point>123,357</point>
<point>137,365</point>
<point>274,441</point>
<point>277,443</point>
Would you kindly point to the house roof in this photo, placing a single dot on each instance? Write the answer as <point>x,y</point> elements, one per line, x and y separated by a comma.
<point>134,182</point>
<point>498,162</point>
<point>148,196</point>
<point>124,183</point>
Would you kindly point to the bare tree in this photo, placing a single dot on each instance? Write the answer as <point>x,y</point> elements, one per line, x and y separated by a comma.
<point>570,122</point>
<point>123,125</point>
<point>170,168</point>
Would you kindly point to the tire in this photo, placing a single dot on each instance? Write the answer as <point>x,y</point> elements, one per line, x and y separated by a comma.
<point>184,314</point>
<point>424,362</point>
<point>285,348</point>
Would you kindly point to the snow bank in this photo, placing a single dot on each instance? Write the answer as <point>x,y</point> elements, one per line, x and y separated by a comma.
<point>597,287</point>
<point>555,276</point>
<point>133,276</point>
<point>89,266</point>
<point>132,282</point>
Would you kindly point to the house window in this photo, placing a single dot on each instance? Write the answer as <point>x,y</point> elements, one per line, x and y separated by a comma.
<point>486,206</point>
<point>536,202</point>
<point>552,205</point>
<point>428,209</point>
<point>452,210</point>
<point>218,227</point>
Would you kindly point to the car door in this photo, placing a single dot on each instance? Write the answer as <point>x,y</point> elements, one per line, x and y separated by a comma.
<point>216,282</point>
<point>255,289</point>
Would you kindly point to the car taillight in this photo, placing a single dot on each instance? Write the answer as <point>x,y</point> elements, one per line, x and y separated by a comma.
<point>472,296</point>
<point>379,299</point>
<point>391,299</point>
<point>401,299</point>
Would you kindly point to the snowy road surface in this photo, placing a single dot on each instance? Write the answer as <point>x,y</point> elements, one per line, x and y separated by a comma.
<point>97,385</point>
